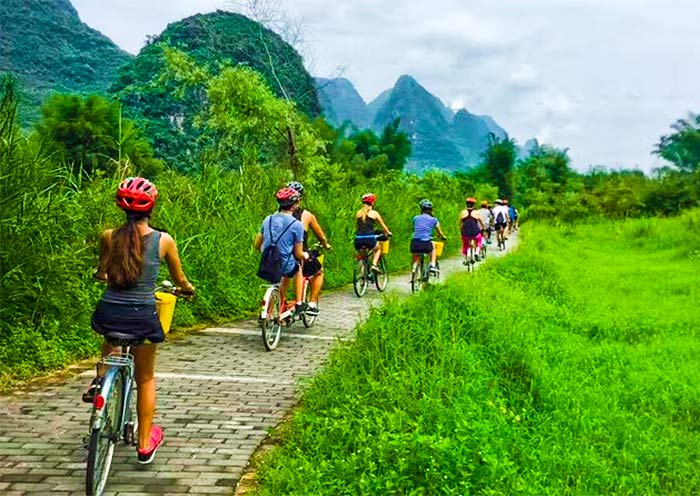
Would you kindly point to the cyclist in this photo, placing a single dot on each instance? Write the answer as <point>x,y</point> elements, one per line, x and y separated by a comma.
<point>509,224</point>
<point>130,257</point>
<point>311,268</point>
<point>487,217</point>
<point>470,225</point>
<point>288,235</point>
<point>422,240</point>
<point>500,215</point>
<point>365,234</point>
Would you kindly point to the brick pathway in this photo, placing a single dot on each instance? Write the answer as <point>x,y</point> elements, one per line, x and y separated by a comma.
<point>218,394</point>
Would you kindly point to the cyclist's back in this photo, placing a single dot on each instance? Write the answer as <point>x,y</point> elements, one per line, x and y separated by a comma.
<point>285,231</point>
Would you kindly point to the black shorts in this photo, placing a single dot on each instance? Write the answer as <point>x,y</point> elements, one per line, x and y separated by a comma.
<point>312,266</point>
<point>365,243</point>
<point>139,321</point>
<point>421,246</point>
<point>292,272</point>
<point>500,226</point>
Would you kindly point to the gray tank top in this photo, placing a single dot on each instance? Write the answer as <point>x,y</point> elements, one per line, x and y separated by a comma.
<point>142,293</point>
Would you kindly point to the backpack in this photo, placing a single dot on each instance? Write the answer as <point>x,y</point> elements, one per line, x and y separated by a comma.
<point>470,227</point>
<point>500,218</point>
<point>270,268</point>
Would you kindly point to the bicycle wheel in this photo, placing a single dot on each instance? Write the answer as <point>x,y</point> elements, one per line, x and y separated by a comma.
<point>104,438</point>
<point>360,277</point>
<point>381,279</point>
<point>417,277</point>
<point>270,325</point>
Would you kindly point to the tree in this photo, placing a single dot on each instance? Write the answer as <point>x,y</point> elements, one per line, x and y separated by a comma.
<point>499,159</point>
<point>90,135</point>
<point>682,148</point>
<point>395,145</point>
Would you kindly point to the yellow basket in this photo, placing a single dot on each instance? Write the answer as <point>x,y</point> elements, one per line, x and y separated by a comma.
<point>165,306</point>
<point>384,246</point>
<point>439,245</point>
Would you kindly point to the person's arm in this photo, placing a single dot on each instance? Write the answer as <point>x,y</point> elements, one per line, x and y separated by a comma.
<point>172,258</point>
<point>318,232</point>
<point>481,222</point>
<point>105,246</point>
<point>257,243</point>
<point>379,219</point>
<point>299,253</point>
<point>439,230</point>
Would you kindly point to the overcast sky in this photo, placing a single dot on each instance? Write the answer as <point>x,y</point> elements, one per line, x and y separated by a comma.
<point>604,78</point>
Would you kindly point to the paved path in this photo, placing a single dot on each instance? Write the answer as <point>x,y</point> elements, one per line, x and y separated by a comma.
<point>218,394</point>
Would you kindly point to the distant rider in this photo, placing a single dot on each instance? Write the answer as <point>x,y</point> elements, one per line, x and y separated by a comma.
<point>288,234</point>
<point>422,240</point>
<point>311,268</point>
<point>487,217</point>
<point>366,234</point>
<point>470,225</point>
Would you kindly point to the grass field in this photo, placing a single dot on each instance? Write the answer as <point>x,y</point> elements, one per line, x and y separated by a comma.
<point>569,367</point>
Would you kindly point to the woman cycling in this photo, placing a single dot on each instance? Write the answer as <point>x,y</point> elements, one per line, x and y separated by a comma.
<point>471,225</point>
<point>130,257</point>
<point>422,240</point>
<point>365,234</point>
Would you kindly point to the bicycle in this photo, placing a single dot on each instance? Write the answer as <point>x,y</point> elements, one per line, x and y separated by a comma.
<point>421,273</point>
<point>113,416</point>
<point>274,314</point>
<point>501,237</point>
<point>362,274</point>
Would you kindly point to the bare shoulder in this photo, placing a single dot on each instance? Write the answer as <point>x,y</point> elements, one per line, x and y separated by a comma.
<point>373,214</point>
<point>166,238</point>
<point>307,216</point>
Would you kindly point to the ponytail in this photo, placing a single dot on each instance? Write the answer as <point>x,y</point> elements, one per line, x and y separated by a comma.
<point>125,259</point>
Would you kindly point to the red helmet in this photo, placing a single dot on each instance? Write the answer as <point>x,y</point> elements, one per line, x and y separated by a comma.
<point>369,198</point>
<point>471,200</point>
<point>136,194</point>
<point>286,197</point>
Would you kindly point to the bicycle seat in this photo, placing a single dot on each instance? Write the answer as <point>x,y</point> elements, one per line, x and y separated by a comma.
<point>122,339</point>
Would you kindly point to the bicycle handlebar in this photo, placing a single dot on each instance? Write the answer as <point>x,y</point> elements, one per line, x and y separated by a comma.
<point>168,287</point>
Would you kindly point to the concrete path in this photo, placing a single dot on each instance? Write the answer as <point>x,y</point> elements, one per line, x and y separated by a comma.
<point>219,392</point>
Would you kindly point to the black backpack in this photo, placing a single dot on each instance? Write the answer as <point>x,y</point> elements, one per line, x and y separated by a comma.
<point>270,268</point>
<point>500,218</point>
<point>470,227</point>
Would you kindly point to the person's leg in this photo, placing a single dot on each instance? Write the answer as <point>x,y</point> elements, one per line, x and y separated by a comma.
<point>298,287</point>
<point>145,361</point>
<point>433,256</point>
<point>377,252</point>
<point>316,285</point>
<point>284,284</point>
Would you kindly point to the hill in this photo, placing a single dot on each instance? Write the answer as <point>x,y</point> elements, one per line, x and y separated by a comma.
<point>212,40</point>
<point>441,137</point>
<point>48,48</point>
<point>341,102</point>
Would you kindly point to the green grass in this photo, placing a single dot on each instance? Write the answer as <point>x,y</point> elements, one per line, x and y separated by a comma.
<point>50,222</point>
<point>569,367</point>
